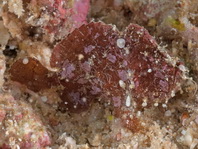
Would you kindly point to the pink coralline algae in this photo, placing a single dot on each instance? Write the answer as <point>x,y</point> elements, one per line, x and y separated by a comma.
<point>93,65</point>
<point>65,11</point>
<point>46,18</point>
<point>19,117</point>
<point>82,8</point>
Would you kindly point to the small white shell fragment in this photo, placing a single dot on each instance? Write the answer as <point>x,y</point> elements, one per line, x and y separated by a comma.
<point>121,43</point>
<point>182,68</point>
<point>156,104</point>
<point>139,113</point>
<point>188,139</point>
<point>25,61</point>
<point>144,104</point>
<point>167,113</point>
<point>128,101</point>
<point>183,132</point>
<point>44,98</point>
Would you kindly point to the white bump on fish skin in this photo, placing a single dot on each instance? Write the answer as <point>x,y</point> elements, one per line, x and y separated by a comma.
<point>25,61</point>
<point>121,43</point>
<point>84,99</point>
<point>128,101</point>
<point>80,57</point>
<point>149,70</point>
<point>122,84</point>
